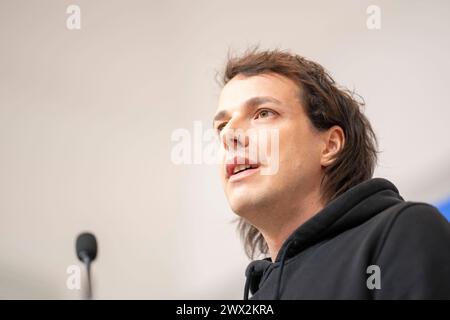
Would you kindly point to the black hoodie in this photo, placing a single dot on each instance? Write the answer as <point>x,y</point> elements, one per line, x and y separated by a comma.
<point>368,243</point>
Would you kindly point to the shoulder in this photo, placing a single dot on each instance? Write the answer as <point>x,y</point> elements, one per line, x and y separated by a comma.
<point>415,225</point>
<point>414,255</point>
<point>417,216</point>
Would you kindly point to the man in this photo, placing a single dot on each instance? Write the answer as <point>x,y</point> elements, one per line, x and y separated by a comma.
<point>331,231</point>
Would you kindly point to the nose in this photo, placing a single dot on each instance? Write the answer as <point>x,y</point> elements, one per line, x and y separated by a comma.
<point>234,137</point>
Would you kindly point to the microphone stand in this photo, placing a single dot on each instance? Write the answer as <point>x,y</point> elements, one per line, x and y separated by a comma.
<point>87,263</point>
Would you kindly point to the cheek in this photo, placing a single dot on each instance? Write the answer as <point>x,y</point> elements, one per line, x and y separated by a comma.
<point>299,150</point>
<point>264,146</point>
<point>221,159</point>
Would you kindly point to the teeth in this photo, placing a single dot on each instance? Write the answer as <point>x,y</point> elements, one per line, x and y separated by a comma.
<point>240,167</point>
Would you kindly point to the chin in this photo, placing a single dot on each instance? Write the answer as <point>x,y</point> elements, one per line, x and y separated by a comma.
<point>245,203</point>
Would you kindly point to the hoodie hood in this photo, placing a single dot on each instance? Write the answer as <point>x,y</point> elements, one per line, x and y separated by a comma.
<point>352,208</point>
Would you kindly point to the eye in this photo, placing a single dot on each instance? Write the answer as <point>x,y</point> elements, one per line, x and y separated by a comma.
<point>264,113</point>
<point>220,126</point>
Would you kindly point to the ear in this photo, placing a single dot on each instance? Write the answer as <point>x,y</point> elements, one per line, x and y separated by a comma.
<point>334,140</point>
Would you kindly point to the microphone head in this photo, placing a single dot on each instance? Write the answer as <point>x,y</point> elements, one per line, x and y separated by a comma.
<point>86,245</point>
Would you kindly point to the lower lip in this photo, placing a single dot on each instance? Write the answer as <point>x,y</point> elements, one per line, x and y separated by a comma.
<point>243,174</point>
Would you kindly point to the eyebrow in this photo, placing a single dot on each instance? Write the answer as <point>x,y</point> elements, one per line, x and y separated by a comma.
<point>252,102</point>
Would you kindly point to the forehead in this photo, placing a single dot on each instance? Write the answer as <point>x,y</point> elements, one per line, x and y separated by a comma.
<point>241,88</point>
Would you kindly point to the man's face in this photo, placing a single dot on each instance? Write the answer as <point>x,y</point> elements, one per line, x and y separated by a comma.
<point>270,103</point>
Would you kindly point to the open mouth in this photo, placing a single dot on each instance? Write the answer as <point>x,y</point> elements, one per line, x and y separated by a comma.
<point>235,170</point>
<point>242,167</point>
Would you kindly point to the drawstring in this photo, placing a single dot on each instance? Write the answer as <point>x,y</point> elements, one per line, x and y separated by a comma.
<point>254,272</point>
<point>256,269</point>
<point>282,260</point>
<point>247,287</point>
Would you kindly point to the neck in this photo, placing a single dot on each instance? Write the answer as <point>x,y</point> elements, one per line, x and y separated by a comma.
<point>287,220</point>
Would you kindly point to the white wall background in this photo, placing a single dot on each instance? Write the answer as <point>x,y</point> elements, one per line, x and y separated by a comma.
<point>86,118</point>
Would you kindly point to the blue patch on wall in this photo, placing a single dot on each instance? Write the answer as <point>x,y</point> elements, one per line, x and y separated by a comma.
<point>444,207</point>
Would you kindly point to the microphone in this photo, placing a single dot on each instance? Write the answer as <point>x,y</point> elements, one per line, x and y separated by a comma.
<point>86,248</point>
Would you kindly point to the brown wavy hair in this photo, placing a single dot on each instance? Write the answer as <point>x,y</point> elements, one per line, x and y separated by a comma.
<point>326,104</point>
